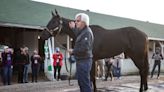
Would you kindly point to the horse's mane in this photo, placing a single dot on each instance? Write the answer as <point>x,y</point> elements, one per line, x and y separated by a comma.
<point>98,27</point>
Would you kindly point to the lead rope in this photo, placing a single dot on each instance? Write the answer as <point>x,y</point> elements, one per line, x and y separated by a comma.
<point>70,72</point>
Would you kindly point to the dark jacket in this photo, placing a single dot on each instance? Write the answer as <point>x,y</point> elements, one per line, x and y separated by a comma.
<point>19,58</point>
<point>7,59</point>
<point>27,59</point>
<point>83,44</point>
<point>35,60</point>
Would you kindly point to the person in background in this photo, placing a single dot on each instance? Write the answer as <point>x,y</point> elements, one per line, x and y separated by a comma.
<point>58,62</point>
<point>100,69</point>
<point>117,65</point>
<point>19,61</point>
<point>26,65</point>
<point>35,64</point>
<point>7,60</point>
<point>157,56</point>
<point>108,68</point>
<point>82,50</point>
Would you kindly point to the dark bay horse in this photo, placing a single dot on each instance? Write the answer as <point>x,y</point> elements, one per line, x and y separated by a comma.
<point>108,43</point>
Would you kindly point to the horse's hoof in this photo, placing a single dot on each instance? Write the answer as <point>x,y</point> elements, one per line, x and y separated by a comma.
<point>141,90</point>
<point>145,89</point>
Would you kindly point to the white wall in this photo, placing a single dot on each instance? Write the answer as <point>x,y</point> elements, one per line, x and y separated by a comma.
<point>128,67</point>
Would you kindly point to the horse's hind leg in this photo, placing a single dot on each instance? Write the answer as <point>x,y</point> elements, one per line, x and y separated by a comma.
<point>146,72</point>
<point>142,80</point>
<point>142,65</point>
<point>93,75</point>
<point>143,74</point>
<point>143,85</point>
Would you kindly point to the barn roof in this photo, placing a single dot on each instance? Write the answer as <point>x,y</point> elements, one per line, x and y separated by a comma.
<point>30,14</point>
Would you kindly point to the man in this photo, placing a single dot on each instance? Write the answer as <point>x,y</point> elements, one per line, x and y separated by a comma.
<point>157,56</point>
<point>26,65</point>
<point>82,50</point>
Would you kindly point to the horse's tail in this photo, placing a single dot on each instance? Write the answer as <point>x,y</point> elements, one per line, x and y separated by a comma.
<point>146,65</point>
<point>146,61</point>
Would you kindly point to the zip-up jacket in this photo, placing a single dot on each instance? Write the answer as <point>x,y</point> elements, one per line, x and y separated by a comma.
<point>83,44</point>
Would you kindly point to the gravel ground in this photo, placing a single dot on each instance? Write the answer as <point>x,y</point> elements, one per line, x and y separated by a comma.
<point>125,84</point>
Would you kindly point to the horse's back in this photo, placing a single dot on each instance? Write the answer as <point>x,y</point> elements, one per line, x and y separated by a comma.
<point>112,42</point>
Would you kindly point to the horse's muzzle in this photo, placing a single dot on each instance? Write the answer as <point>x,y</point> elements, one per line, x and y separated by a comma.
<point>45,34</point>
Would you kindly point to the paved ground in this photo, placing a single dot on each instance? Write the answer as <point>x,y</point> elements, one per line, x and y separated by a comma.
<point>125,84</point>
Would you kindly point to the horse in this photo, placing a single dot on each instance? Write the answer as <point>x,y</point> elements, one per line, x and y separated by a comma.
<point>108,43</point>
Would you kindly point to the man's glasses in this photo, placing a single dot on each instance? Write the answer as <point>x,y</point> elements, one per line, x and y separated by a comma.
<point>77,20</point>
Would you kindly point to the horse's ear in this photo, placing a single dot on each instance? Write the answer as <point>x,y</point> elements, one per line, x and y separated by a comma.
<point>52,13</point>
<point>57,13</point>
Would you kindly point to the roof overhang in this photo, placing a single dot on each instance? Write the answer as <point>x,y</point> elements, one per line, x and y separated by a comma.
<point>5,24</point>
<point>156,39</point>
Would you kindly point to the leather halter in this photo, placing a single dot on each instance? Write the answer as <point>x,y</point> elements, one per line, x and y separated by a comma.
<point>56,28</point>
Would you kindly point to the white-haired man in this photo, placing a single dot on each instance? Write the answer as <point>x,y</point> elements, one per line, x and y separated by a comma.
<point>83,50</point>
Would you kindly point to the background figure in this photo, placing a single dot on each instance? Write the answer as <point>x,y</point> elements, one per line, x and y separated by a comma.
<point>157,56</point>
<point>19,61</point>
<point>35,64</point>
<point>108,68</point>
<point>100,68</point>
<point>26,65</point>
<point>58,57</point>
<point>117,65</point>
<point>7,60</point>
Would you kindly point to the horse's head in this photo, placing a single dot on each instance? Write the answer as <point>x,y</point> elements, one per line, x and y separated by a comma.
<point>53,27</point>
<point>57,25</point>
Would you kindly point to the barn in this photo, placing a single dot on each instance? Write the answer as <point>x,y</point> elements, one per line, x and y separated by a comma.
<point>21,22</point>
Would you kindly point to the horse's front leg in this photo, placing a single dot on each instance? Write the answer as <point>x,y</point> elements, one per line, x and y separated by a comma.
<point>93,74</point>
